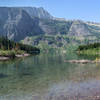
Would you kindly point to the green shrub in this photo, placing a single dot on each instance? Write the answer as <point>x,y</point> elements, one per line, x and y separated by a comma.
<point>6,53</point>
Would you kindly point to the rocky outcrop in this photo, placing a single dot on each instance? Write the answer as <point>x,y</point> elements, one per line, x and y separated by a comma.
<point>78,28</point>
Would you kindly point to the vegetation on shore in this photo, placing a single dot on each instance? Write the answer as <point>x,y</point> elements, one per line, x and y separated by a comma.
<point>89,49</point>
<point>10,48</point>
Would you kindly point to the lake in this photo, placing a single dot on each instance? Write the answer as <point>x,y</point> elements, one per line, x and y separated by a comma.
<point>48,77</point>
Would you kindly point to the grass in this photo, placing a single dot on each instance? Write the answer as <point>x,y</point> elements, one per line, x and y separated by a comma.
<point>10,53</point>
<point>20,52</point>
<point>94,51</point>
<point>7,53</point>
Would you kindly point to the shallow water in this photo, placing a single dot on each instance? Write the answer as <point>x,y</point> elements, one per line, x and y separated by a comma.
<point>48,77</point>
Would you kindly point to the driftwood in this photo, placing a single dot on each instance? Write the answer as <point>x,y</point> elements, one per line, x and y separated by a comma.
<point>22,55</point>
<point>81,61</point>
<point>4,58</point>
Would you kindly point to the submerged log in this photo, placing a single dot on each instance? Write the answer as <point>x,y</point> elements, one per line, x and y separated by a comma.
<point>80,61</point>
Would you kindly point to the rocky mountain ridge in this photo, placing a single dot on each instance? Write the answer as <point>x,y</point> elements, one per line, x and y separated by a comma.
<point>18,23</point>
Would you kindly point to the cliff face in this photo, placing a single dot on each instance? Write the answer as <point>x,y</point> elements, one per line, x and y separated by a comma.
<point>16,23</point>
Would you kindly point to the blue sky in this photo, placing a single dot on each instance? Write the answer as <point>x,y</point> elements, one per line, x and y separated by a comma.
<point>88,10</point>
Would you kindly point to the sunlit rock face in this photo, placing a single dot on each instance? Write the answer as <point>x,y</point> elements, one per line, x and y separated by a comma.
<point>79,28</point>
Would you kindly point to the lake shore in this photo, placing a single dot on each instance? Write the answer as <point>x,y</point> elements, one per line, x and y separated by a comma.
<point>4,58</point>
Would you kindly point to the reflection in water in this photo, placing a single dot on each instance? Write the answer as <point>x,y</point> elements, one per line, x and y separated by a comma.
<point>2,75</point>
<point>47,77</point>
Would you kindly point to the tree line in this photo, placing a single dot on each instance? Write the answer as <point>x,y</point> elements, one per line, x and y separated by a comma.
<point>6,44</point>
<point>89,46</point>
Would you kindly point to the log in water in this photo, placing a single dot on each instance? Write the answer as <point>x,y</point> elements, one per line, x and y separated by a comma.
<point>82,61</point>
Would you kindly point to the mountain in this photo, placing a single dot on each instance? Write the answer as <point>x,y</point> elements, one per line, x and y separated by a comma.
<point>17,24</point>
<point>36,26</point>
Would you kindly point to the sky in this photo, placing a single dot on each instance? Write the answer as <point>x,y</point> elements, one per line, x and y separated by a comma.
<point>87,10</point>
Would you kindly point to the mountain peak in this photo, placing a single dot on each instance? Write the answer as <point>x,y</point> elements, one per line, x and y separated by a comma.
<point>40,12</point>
